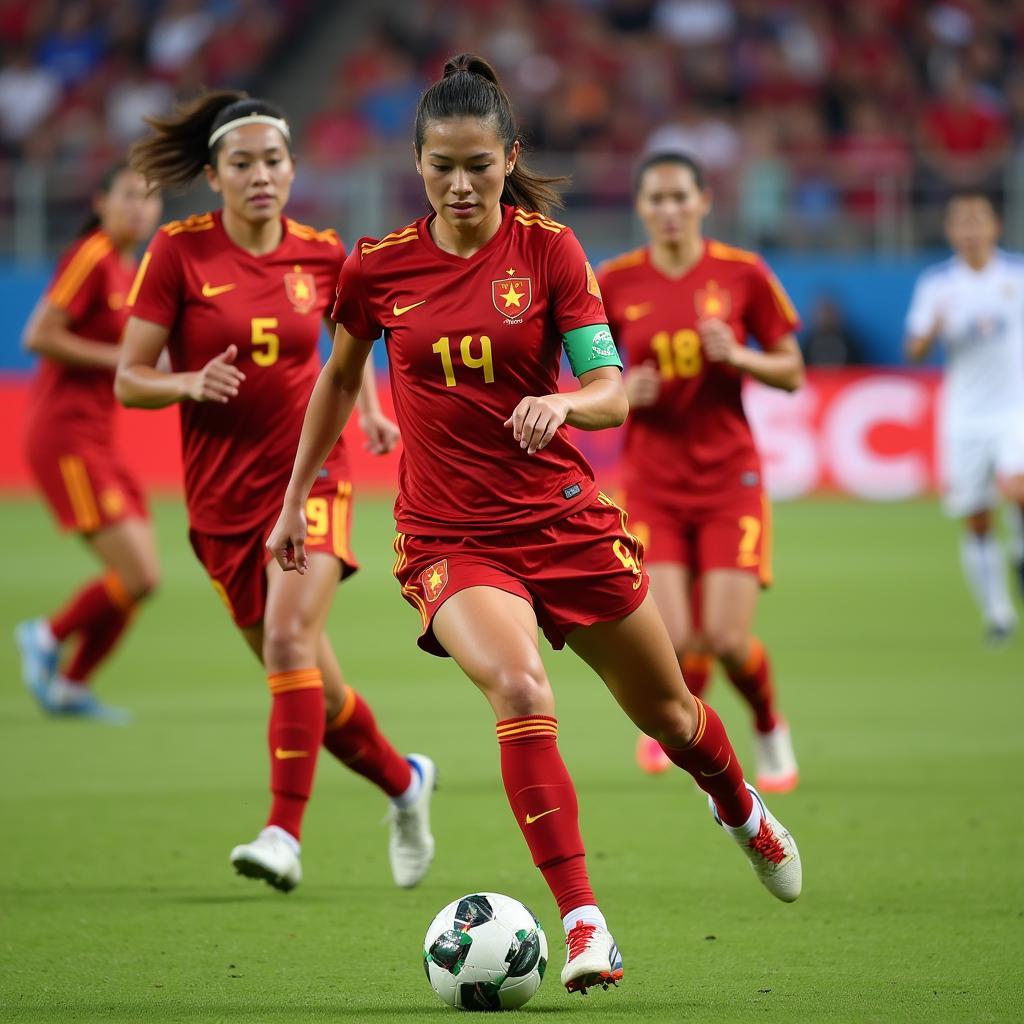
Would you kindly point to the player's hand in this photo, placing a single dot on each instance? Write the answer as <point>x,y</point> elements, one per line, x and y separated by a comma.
<point>218,380</point>
<point>381,434</point>
<point>536,419</point>
<point>643,385</point>
<point>287,540</point>
<point>718,341</point>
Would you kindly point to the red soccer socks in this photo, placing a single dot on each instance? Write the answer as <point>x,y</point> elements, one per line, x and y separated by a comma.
<point>99,612</point>
<point>295,733</point>
<point>712,762</point>
<point>543,800</point>
<point>353,737</point>
<point>754,682</point>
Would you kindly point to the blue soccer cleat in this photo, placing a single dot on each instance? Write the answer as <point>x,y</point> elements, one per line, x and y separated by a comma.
<point>38,658</point>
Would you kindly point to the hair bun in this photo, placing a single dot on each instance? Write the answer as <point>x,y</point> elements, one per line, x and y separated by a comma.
<point>471,64</point>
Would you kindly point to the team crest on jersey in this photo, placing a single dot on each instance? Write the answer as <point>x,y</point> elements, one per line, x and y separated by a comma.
<point>512,296</point>
<point>435,579</point>
<point>713,301</point>
<point>301,290</point>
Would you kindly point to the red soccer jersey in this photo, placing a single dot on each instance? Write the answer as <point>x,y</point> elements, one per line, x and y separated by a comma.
<point>467,339</point>
<point>90,284</point>
<point>210,293</point>
<point>693,448</point>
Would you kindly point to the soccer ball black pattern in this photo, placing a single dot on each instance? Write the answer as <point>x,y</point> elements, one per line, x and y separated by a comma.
<point>485,952</point>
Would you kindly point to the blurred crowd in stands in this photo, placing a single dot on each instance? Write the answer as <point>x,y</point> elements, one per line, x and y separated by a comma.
<point>798,108</point>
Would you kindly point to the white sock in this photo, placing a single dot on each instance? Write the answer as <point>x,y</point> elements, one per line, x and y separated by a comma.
<point>985,569</point>
<point>44,635</point>
<point>589,914</point>
<point>749,828</point>
<point>407,798</point>
<point>276,830</point>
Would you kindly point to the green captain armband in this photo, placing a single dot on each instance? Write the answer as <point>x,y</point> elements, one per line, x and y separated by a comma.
<point>589,348</point>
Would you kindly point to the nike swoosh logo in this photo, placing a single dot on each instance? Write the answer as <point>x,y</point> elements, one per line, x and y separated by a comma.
<point>636,312</point>
<point>210,290</point>
<point>531,818</point>
<point>399,310</point>
<point>711,775</point>
<point>287,755</point>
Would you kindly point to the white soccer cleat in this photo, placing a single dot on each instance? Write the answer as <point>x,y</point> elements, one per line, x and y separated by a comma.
<point>772,853</point>
<point>592,958</point>
<point>777,770</point>
<point>272,856</point>
<point>411,846</point>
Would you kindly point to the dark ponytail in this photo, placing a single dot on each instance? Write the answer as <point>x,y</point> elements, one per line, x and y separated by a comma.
<point>469,87</point>
<point>178,148</point>
<point>103,186</point>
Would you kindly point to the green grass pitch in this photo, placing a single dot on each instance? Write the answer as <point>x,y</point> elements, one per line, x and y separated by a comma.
<point>117,901</point>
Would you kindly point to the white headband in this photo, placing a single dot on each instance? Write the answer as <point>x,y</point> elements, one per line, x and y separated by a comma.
<point>275,122</point>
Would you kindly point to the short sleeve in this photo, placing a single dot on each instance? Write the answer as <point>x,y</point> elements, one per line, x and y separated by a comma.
<point>156,293</point>
<point>924,309</point>
<point>78,282</point>
<point>771,314</point>
<point>351,309</point>
<point>572,286</point>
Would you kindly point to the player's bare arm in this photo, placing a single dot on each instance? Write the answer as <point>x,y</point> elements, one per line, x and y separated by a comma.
<point>382,434</point>
<point>47,334</point>
<point>334,396</point>
<point>782,367</point>
<point>599,403</point>
<point>919,346</point>
<point>142,383</point>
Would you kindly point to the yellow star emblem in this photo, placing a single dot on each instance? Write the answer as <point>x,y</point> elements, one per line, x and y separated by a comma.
<point>435,580</point>
<point>511,272</point>
<point>512,297</point>
<point>301,290</point>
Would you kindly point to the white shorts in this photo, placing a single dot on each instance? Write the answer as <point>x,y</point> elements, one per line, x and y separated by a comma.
<point>976,462</point>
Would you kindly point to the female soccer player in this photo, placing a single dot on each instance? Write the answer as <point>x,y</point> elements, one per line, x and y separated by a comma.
<point>237,296</point>
<point>70,447</point>
<point>973,304</point>
<point>682,309</point>
<point>501,527</point>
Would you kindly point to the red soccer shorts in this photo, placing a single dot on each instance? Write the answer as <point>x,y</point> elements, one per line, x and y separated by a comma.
<point>737,535</point>
<point>236,562</point>
<point>583,569</point>
<point>85,489</point>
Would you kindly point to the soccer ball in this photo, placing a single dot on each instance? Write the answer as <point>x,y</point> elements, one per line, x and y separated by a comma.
<point>485,952</point>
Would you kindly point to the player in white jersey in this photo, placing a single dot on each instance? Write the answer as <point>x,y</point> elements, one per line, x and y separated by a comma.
<point>973,304</point>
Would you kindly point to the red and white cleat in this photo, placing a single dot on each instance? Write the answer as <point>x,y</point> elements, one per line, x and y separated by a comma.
<point>772,853</point>
<point>649,755</point>
<point>592,958</point>
<point>777,770</point>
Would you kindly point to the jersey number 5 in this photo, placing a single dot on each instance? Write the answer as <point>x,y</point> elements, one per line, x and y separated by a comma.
<point>679,354</point>
<point>266,345</point>
<point>484,361</point>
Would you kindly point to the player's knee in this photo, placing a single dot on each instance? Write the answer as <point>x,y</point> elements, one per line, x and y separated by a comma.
<point>727,642</point>
<point>287,645</point>
<point>672,723</point>
<point>145,584</point>
<point>518,691</point>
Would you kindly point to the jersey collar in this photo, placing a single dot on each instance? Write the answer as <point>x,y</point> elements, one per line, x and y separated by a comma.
<point>423,226</point>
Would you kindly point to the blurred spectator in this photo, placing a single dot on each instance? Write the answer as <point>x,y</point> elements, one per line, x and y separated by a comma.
<point>963,136</point>
<point>874,162</point>
<point>827,340</point>
<point>134,95</point>
<point>73,49</point>
<point>28,95</point>
<point>695,22</point>
<point>763,185</point>
<point>709,137</point>
<point>339,134</point>
<point>182,28</point>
